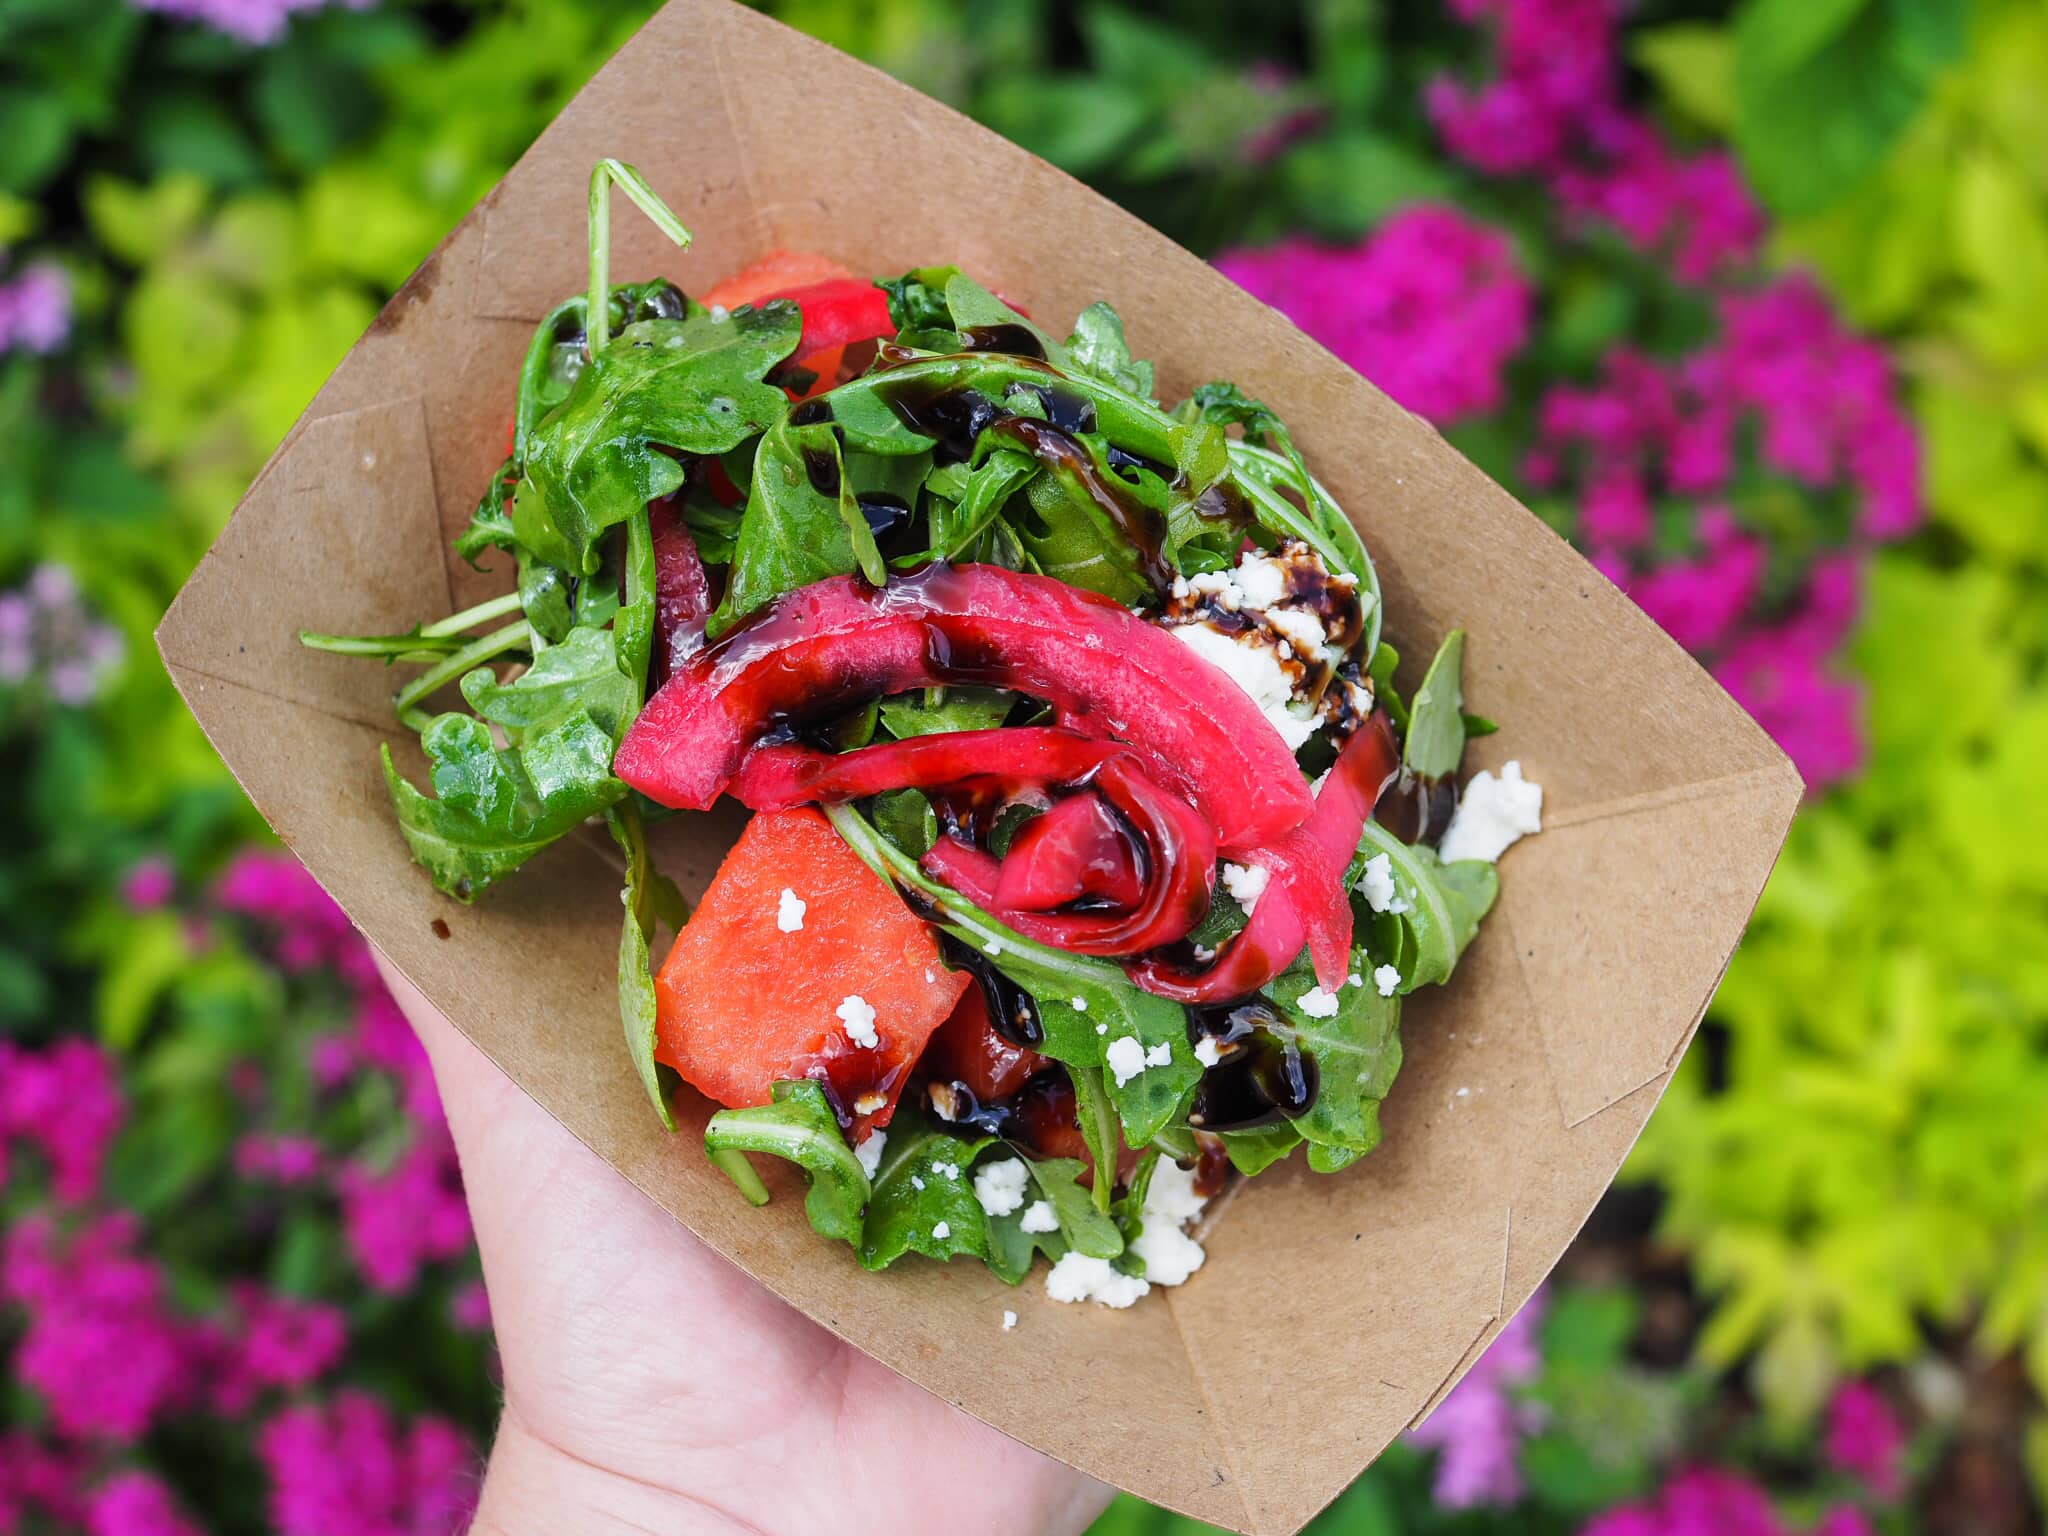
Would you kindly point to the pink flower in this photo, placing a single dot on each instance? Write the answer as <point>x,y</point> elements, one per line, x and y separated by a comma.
<point>148,885</point>
<point>1700,1502</point>
<point>399,1221</point>
<point>38,1478</point>
<point>65,1102</point>
<point>471,1307</point>
<point>250,21</point>
<point>288,1160</point>
<point>1815,717</point>
<point>1478,1428</point>
<point>1845,1520</point>
<point>134,1503</point>
<point>1431,307</point>
<point>350,1466</point>
<point>100,1346</point>
<point>1866,1440</point>
<point>35,309</point>
<point>1698,602</point>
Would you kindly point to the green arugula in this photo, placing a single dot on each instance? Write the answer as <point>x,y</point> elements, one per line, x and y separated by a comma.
<point>1082,1228</point>
<point>798,1125</point>
<point>1097,348</point>
<point>1445,903</point>
<point>1357,1052</point>
<point>581,674</point>
<point>940,710</point>
<point>1436,721</point>
<point>650,898</point>
<point>924,1187</point>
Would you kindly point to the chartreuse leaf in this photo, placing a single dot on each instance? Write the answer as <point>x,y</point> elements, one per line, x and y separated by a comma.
<point>1436,715</point>
<point>1098,348</point>
<point>494,810</point>
<point>923,1200</point>
<point>692,385</point>
<point>799,1126</point>
<point>649,898</point>
<point>1443,905</point>
<point>1357,1051</point>
<point>802,523</point>
<point>1111,1008</point>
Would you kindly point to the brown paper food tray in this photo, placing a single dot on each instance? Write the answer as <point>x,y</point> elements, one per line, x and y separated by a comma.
<point>1333,1311</point>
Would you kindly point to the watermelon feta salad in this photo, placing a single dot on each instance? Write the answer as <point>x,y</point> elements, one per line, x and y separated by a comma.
<point>1093,847</point>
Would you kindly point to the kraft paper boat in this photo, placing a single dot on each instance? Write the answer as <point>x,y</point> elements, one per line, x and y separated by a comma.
<point>1333,1312</point>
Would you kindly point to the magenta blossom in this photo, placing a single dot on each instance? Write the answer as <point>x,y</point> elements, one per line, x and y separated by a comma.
<point>1866,1440</point>
<point>1431,307</point>
<point>135,1504</point>
<point>148,885</point>
<point>1478,1428</point>
<point>249,21</point>
<point>349,1465</point>
<point>35,309</point>
<point>399,1221</point>
<point>1701,1502</point>
<point>64,1102</point>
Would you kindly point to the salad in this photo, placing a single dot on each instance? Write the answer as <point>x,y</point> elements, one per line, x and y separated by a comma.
<point>1093,848</point>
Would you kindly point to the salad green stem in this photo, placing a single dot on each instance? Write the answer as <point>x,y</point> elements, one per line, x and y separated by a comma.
<point>496,643</point>
<point>421,645</point>
<point>734,1165</point>
<point>469,618</point>
<point>534,371</point>
<point>597,324</point>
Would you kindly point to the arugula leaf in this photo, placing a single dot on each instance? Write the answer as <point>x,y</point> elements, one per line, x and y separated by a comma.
<point>649,898</point>
<point>1096,1116</point>
<point>1445,903</point>
<point>692,385</point>
<point>906,818</point>
<point>1357,1052</point>
<point>580,674</point>
<point>1264,476</point>
<point>1081,1228</point>
<point>1145,1102</point>
<point>914,1197</point>
<point>1253,1152</point>
<point>917,299</point>
<point>1385,659</point>
<point>972,305</point>
<point>799,1126</point>
<point>962,708</point>
<point>1074,539</point>
<point>802,524</point>
<point>490,525</point>
<point>1098,348</point>
<point>1436,722</point>
<point>985,489</point>
<point>494,810</point>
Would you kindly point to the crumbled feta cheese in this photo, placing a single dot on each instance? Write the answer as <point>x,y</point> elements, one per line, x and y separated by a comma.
<point>1317,1003</point>
<point>868,1103</point>
<point>1039,1217</point>
<point>718,312</point>
<point>1386,978</point>
<point>1303,631</point>
<point>1171,1203</point>
<point>993,946</point>
<point>1102,1029</point>
<point>1261,579</point>
<point>1203,953</point>
<point>1000,1186</point>
<point>1161,1055</point>
<point>1255,669</point>
<point>869,1153</point>
<point>942,1230</point>
<point>916,1182</point>
<point>1354,980</point>
<point>789,911</point>
<point>1246,884</point>
<point>859,1019</point>
<point>1207,1051</point>
<point>946,1170</point>
<point>1080,1005</point>
<point>1376,883</point>
<point>928,976</point>
<point>1126,1058</point>
<point>1009,1320</point>
<point>1492,814</point>
<point>1077,1277</point>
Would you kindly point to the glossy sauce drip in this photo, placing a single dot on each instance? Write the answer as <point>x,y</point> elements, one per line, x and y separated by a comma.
<point>822,465</point>
<point>1011,1012</point>
<point>1212,1164</point>
<point>889,519</point>
<point>810,413</point>
<point>1417,810</point>
<point>1264,1075</point>
<point>1006,336</point>
<point>1141,526</point>
<point>951,414</point>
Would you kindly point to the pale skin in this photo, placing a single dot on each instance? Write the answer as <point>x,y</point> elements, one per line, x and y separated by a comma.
<point>651,1387</point>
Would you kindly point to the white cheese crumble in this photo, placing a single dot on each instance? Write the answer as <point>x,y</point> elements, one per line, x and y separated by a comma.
<point>1000,1186</point>
<point>916,1182</point>
<point>1080,1005</point>
<point>1079,1278</point>
<point>928,976</point>
<point>1170,1255</point>
<point>1376,883</point>
<point>869,1153</point>
<point>1039,1217</point>
<point>1261,580</point>
<point>789,911</point>
<point>1246,884</point>
<point>993,946</point>
<point>1303,631</point>
<point>1102,1029</point>
<point>946,1170</point>
<point>1354,980</point>
<point>1386,978</point>
<point>1254,668</point>
<point>1009,1320</point>
<point>942,1230</point>
<point>1126,1058</point>
<point>1161,1055</point>
<point>1207,1051</point>
<point>868,1103</point>
<point>1492,814</point>
<point>859,1019</point>
<point>1317,1003</point>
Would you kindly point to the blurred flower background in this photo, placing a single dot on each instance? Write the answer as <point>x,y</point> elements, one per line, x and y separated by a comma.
<point>1748,300</point>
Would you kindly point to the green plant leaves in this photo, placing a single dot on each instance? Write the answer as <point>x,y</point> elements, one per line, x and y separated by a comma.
<point>1436,714</point>
<point>923,1199</point>
<point>693,385</point>
<point>580,674</point>
<point>649,898</point>
<point>1082,1228</point>
<point>1357,1053</point>
<point>1441,904</point>
<point>799,1126</point>
<point>963,708</point>
<point>1097,348</point>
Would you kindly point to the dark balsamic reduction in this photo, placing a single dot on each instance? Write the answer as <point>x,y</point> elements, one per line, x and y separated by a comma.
<point>810,413</point>
<point>1417,810</point>
<point>822,465</point>
<point>889,519</point>
<point>1141,526</point>
<point>1011,1012</point>
<point>951,414</point>
<point>1005,336</point>
<point>1264,1075</point>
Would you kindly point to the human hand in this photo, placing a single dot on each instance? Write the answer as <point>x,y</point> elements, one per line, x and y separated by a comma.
<point>652,1387</point>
